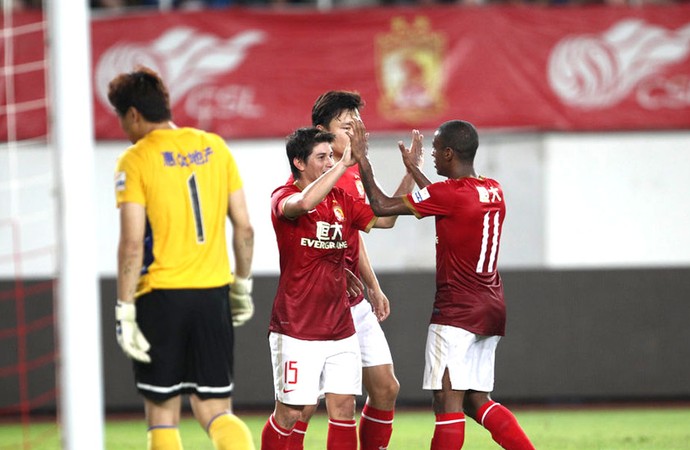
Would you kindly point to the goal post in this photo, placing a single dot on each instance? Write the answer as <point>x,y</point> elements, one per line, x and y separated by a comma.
<point>80,377</point>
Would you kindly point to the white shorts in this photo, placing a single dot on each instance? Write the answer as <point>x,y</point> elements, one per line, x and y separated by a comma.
<point>469,358</point>
<point>302,370</point>
<point>372,342</point>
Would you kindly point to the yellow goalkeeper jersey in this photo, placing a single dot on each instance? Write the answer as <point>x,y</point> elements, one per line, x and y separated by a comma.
<point>182,177</point>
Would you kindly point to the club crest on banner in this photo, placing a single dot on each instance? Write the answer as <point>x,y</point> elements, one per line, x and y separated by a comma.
<point>409,62</point>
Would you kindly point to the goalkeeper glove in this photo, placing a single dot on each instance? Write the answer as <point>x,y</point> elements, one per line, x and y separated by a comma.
<point>130,338</point>
<point>241,304</point>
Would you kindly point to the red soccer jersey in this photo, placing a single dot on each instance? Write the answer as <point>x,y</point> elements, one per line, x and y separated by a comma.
<point>469,219</point>
<point>351,183</point>
<point>311,302</point>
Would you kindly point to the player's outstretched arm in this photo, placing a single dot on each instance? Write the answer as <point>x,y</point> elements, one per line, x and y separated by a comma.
<point>316,191</point>
<point>382,205</point>
<point>412,158</point>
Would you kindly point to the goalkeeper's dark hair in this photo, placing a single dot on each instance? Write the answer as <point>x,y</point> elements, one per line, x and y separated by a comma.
<point>331,104</point>
<point>300,144</point>
<point>459,136</point>
<point>142,89</point>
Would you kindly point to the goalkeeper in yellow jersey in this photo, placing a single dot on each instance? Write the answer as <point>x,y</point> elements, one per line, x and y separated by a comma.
<point>177,297</point>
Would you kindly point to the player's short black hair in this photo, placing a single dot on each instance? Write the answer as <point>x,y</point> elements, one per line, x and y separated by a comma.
<point>300,144</point>
<point>142,89</point>
<point>331,104</point>
<point>461,137</point>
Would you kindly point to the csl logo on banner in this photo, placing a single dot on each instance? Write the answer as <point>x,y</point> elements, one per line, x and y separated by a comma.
<point>409,65</point>
<point>188,61</point>
<point>596,72</point>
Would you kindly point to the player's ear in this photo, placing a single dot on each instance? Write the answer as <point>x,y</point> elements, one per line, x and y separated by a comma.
<point>299,164</point>
<point>133,113</point>
<point>320,128</point>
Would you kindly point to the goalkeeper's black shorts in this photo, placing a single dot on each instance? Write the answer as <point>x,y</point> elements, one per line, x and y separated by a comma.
<point>191,337</point>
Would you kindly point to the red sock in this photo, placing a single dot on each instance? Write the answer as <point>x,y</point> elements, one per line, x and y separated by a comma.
<point>449,432</point>
<point>296,439</point>
<point>375,428</point>
<point>342,435</point>
<point>273,436</point>
<point>503,426</point>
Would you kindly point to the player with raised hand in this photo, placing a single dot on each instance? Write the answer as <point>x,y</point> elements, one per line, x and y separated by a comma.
<point>468,317</point>
<point>314,349</point>
<point>334,112</point>
<point>176,189</point>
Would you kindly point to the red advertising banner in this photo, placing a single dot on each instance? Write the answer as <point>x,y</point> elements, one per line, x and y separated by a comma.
<point>255,73</point>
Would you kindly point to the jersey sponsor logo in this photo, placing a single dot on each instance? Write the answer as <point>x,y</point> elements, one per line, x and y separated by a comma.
<point>410,70</point>
<point>120,179</point>
<point>328,232</point>
<point>329,236</point>
<point>323,245</point>
<point>188,59</point>
<point>287,391</point>
<point>595,72</point>
<point>193,158</point>
<point>489,195</point>
<point>420,195</point>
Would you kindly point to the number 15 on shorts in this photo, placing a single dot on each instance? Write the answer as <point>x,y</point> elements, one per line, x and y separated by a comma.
<point>289,376</point>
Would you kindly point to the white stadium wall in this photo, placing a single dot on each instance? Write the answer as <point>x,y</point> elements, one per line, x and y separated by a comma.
<point>574,201</point>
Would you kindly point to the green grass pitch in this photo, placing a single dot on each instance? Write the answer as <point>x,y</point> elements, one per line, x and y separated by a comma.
<point>631,428</point>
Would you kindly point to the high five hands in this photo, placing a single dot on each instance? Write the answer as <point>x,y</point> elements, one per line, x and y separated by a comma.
<point>358,139</point>
<point>413,157</point>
